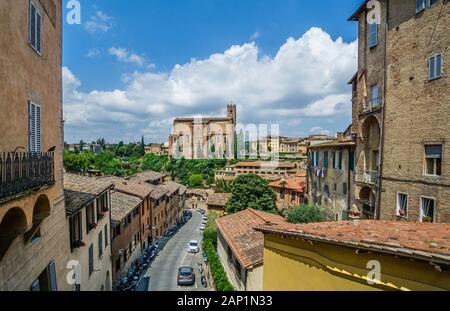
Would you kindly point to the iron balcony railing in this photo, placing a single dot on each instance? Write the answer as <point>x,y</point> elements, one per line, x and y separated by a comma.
<point>367,177</point>
<point>22,171</point>
<point>371,105</point>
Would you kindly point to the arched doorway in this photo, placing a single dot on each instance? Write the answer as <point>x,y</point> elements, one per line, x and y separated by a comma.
<point>13,224</point>
<point>370,133</point>
<point>41,211</point>
<point>367,203</point>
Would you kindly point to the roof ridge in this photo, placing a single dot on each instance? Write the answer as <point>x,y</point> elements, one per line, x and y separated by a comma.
<point>255,212</point>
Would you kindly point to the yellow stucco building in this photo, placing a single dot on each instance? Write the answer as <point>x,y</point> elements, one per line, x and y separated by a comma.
<point>360,256</point>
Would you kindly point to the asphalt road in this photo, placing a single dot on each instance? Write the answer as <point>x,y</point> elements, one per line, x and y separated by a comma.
<point>164,270</point>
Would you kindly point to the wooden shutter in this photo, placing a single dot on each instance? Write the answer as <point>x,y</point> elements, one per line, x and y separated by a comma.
<point>34,127</point>
<point>91,259</point>
<point>52,277</point>
<point>38,31</point>
<point>100,244</point>
<point>106,236</point>
<point>38,129</point>
<point>32,25</point>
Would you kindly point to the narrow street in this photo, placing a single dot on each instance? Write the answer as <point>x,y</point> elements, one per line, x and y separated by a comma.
<point>164,270</point>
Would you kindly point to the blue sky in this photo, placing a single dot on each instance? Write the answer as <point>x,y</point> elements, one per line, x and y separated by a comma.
<point>132,66</point>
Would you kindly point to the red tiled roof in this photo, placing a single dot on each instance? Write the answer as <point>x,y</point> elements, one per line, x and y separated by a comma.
<point>297,184</point>
<point>238,231</point>
<point>140,189</point>
<point>218,199</point>
<point>409,239</point>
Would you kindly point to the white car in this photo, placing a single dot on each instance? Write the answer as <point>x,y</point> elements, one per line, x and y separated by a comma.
<point>193,247</point>
<point>202,228</point>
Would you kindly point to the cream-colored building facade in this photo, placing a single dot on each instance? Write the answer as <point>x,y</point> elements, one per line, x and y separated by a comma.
<point>34,241</point>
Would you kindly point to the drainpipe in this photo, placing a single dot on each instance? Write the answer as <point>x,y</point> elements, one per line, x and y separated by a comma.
<point>383,109</point>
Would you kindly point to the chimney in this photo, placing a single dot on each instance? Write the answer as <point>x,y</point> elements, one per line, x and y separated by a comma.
<point>354,214</point>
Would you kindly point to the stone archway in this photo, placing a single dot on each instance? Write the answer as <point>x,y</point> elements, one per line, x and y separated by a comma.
<point>367,202</point>
<point>41,211</point>
<point>13,224</point>
<point>371,133</point>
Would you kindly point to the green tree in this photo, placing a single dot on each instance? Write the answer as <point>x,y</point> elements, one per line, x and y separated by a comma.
<point>251,191</point>
<point>82,145</point>
<point>304,214</point>
<point>77,162</point>
<point>108,164</point>
<point>142,147</point>
<point>224,186</point>
<point>195,180</point>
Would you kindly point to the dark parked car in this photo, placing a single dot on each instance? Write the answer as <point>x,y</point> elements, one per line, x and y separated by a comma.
<point>186,276</point>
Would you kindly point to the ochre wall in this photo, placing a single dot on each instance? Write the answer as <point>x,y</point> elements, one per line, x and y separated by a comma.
<point>297,265</point>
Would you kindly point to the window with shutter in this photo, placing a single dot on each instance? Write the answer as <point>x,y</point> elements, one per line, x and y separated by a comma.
<point>34,126</point>
<point>373,35</point>
<point>35,28</point>
<point>106,236</point>
<point>91,259</point>
<point>100,244</point>
<point>435,67</point>
<point>52,277</point>
<point>420,5</point>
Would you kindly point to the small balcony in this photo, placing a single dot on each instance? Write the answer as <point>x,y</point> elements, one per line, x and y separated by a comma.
<point>366,177</point>
<point>24,171</point>
<point>371,105</point>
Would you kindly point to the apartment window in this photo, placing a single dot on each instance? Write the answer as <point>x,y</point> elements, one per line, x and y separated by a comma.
<point>35,28</point>
<point>402,205</point>
<point>91,259</point>
<point>129,219</point>
<point>325,159</point>
<point>351,160</point>
<point>372,36</point>
<point>435,67</point>
<point>100,244</point>
<point>90,217</point>
<point>46,280</point>
<point>34,127</point>
<point>374,91</point>
<point>344,188</point>
<point>339,160</point>
<point>106,236</point>
<point>433,160</point>
<point>76,231</point>
<point>422,4</point>
<point>335,187</point>
<point>427,209</point>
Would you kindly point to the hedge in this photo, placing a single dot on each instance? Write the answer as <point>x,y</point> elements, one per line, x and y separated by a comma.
<point>218,273</point>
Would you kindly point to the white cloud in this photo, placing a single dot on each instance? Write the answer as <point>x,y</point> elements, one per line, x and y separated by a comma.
<point>255,36</point>
<point>124,55</point>
<point>93,53</point>
<point>303,85</point>
<point>317,130</point>
<point>99,23</point>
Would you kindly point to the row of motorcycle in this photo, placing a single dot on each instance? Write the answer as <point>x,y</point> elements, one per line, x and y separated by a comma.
<point>130,280</point>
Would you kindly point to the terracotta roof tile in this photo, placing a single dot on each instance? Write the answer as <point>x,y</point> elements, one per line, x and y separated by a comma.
<point>402,238</point>
<point>140,189</point>
<point>147,176</point>
<point>218,199</point>
<point>122,204</point>
<point>238,231</point>
<point>297,184</point>
<point>81,190</point>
